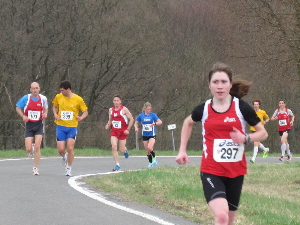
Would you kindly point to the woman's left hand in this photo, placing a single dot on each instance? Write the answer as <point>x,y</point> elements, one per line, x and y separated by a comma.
<point>237,136</point>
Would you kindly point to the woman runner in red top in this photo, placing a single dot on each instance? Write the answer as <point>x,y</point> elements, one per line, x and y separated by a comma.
<point>285,119</point>
<point>223,127</point>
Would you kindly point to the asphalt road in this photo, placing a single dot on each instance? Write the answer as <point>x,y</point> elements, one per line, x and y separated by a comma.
<point>52,198</point>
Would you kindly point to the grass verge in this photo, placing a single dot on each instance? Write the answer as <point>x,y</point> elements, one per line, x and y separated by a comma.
<point>271,193</point>
<point>86,152</point>
<point>100,152</point>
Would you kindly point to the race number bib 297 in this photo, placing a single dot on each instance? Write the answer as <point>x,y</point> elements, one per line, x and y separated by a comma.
<point>225,150</point>
<point>34,115</point>
<point>67,115</point>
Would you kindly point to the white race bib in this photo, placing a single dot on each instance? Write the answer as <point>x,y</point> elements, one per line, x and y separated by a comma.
<point>146,127</point>
<point>282,123</point>
<point>117,124</point>
<point>34,115</point>
<point>225,150</point>
<point>66,115</point>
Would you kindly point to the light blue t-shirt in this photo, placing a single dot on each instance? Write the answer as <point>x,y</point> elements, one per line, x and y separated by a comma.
<point>24,100</point>
<point>146,121</point>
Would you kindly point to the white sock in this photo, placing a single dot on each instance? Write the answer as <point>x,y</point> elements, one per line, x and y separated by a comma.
<point>255,151</point>
<point>283,148</point>
<point>261,146</point>
<point>288,149</point>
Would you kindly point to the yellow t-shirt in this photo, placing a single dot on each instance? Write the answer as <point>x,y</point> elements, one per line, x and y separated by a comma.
<point>68,109</point>
<point>261,115</point>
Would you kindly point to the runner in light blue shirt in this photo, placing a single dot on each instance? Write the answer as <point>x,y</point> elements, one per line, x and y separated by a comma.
<point>149,120</point>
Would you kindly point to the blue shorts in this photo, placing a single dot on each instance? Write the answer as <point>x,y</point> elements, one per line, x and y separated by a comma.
<point>64,133</point>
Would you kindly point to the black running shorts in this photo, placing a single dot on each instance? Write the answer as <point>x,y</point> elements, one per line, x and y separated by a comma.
<point>147,138</point>
<point>34,128</point>
<point>285,131</point>
<point>222,187</point>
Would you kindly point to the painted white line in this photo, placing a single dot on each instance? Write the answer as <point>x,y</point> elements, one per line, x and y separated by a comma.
<point>74,183</point>
<point>2,160</point>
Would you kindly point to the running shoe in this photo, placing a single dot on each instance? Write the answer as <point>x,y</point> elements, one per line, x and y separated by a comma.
<point>35,171</point>
<point>126,153</point>
<point>64,161</point>
<point>252,160</point>
<point>68,172</point>
<point>265,155</point>
<point>31,154</point>
<point>117,167</point>
<point>150,165</point>
<point>281,158</point>
<point>289,158</point>
<point>154,162</point>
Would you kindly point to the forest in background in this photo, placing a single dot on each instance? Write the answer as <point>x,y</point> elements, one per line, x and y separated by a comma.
<point>155,51</point>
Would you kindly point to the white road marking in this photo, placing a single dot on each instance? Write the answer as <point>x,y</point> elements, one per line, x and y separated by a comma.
<point>77,185</point>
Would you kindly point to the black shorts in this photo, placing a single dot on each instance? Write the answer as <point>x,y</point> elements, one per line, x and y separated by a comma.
<point>147,138</point>
<point>285,131</point>
<point>222,187</point>
<point>34,128</point>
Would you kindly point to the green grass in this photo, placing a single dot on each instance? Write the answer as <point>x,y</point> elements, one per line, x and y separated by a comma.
<point>100,152</point>
<point>271,193</point>
<point>85,152</point>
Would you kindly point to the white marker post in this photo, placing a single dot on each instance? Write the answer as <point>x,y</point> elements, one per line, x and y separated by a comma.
<point>172,127</point>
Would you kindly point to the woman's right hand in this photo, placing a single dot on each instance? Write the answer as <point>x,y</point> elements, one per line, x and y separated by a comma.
<point>182,158</point>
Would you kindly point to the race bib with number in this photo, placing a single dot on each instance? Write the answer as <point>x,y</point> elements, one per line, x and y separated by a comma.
<point>146,127</point>
<point>34,115</point>
<point>67,115</point>
<point>117,124</point>
<point>225,150</point>
<point>282,123</point>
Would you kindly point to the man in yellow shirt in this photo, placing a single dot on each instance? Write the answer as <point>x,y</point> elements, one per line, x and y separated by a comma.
<point>66,107</point>
<point>264,118</point>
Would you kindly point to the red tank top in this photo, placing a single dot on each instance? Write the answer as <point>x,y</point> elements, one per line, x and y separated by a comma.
<point>283,120</point>
<point>33,110</point>
<point>119,120</point>
<point>217,126</point>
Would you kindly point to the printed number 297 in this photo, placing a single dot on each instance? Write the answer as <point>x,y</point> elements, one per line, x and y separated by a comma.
<point>228,153</point>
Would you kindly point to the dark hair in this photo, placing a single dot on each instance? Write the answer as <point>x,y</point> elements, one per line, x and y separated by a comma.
<point>220,67</point>
<point>239,88</point>
<point>257,100</point>
<point>65,85</point>
<point>282,101</point>
<point>118,96</point>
